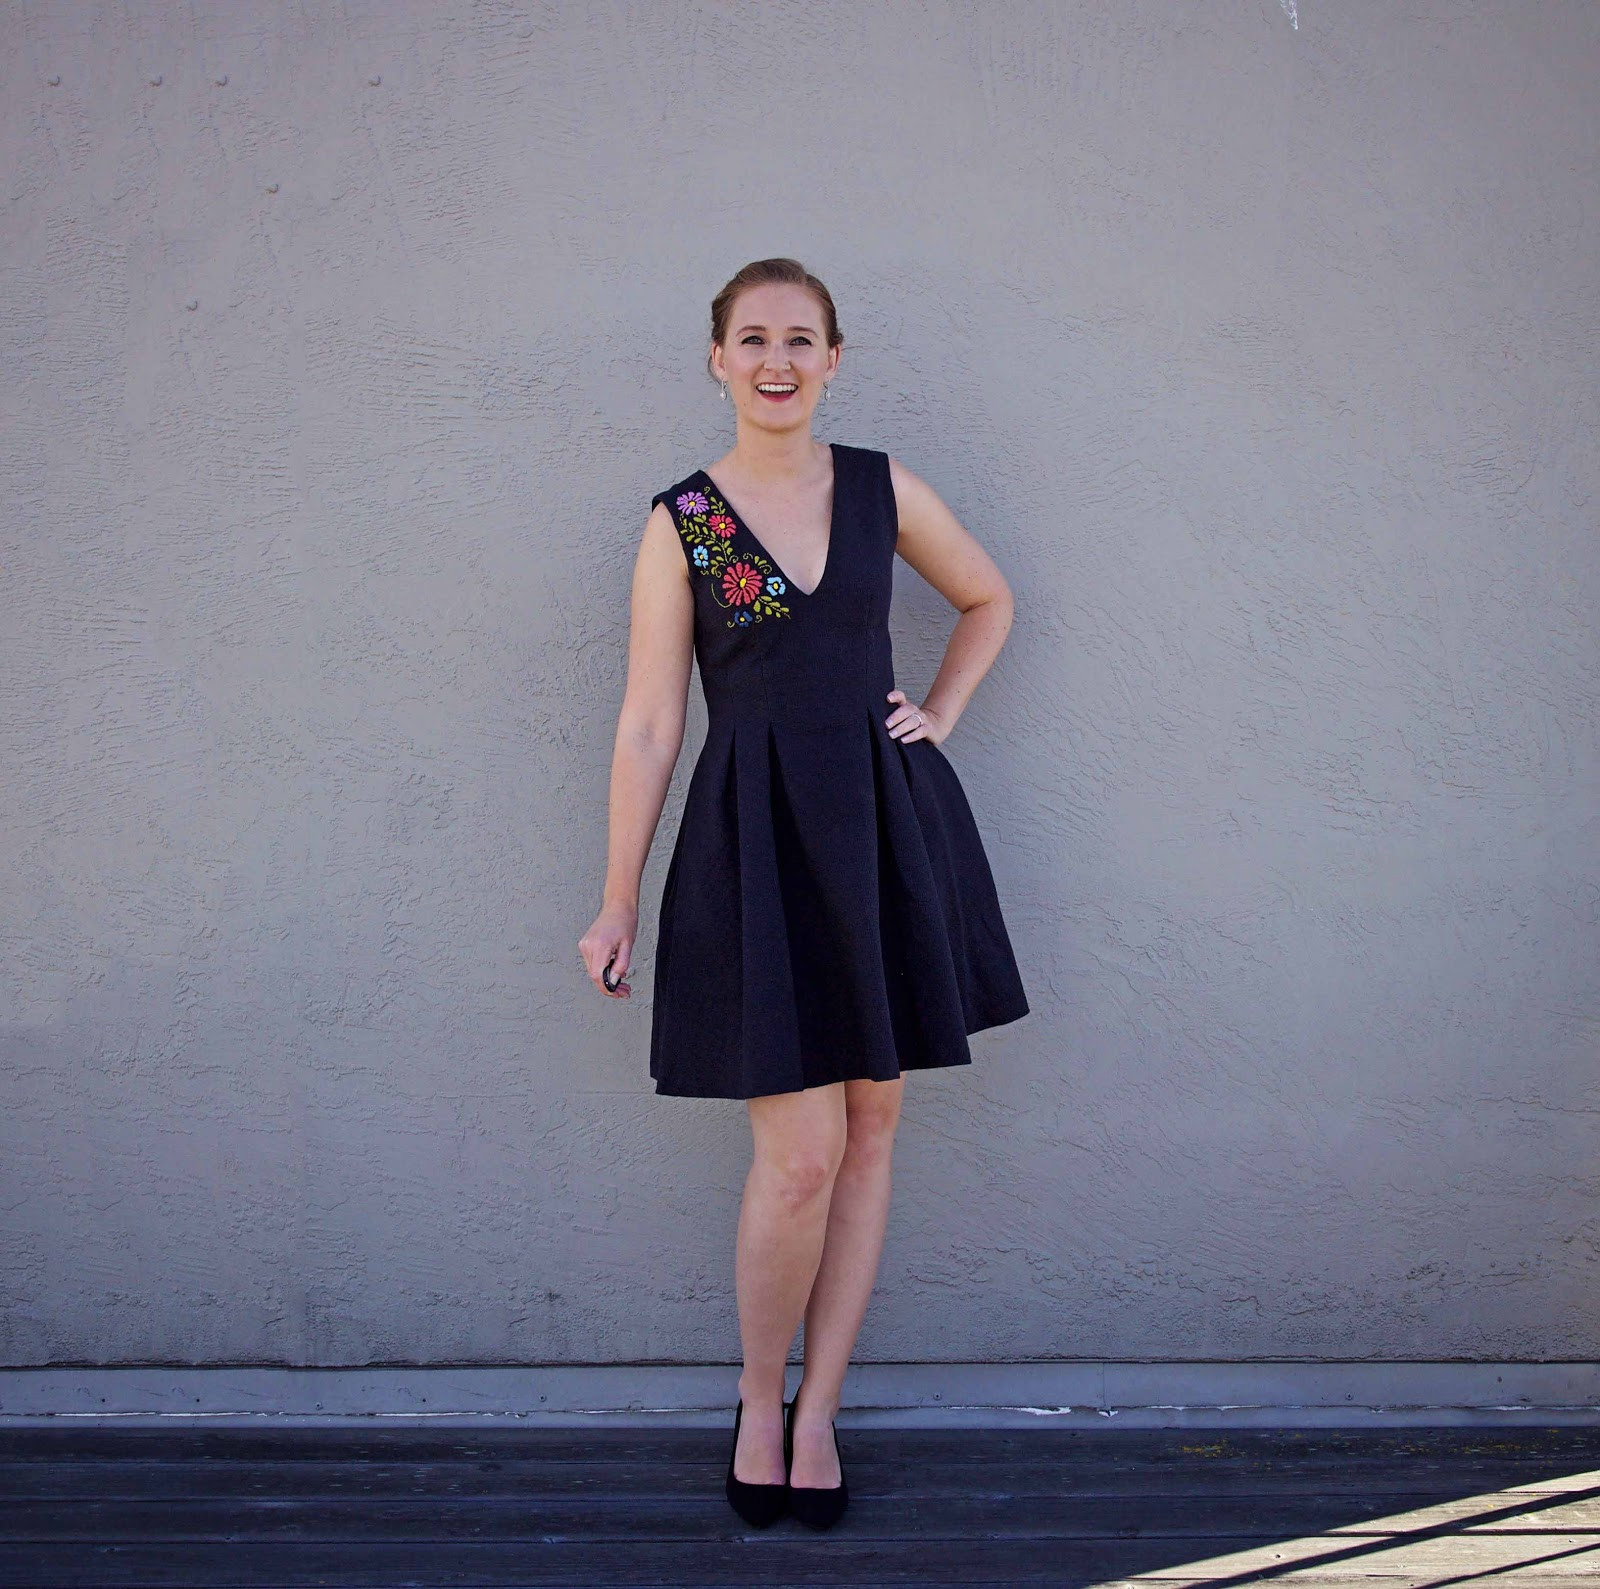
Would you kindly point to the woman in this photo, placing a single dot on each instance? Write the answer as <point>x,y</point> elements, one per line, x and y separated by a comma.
<point>828,919</point>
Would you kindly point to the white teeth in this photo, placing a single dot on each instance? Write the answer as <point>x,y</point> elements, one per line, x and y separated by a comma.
<point>774,386</point>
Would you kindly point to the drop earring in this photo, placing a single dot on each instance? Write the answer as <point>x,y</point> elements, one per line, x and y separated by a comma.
<point>724,391</point>
<point>827,386</point>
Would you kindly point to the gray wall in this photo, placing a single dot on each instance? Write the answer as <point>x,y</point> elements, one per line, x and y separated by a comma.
<point>1260,355</point>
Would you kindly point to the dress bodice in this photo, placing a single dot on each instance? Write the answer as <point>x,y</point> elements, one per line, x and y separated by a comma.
<point>763,644</point>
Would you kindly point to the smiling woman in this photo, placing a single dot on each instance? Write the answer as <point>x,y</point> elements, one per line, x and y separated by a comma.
<point>828,920</point>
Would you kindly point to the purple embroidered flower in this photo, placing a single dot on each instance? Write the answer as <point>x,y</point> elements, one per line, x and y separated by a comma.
<point>693,502</point>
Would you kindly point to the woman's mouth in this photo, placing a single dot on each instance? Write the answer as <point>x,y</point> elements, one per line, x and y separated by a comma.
<point>777,391</point>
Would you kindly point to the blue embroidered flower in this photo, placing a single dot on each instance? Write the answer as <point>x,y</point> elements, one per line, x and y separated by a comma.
<point>702,558</point>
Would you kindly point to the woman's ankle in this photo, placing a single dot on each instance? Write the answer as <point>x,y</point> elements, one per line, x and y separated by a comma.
<point>758,1394</point>
<point>808,1409</point>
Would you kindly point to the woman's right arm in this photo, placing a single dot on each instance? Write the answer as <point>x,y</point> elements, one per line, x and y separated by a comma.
<point>649,737</point>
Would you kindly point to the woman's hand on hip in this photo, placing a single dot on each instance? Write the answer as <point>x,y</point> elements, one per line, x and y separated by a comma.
<point>909,722</point>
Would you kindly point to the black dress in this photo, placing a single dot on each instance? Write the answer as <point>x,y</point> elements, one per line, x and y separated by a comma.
<point>828,912</point>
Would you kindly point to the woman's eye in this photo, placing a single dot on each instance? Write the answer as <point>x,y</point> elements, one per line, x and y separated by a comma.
<point>752,339</point>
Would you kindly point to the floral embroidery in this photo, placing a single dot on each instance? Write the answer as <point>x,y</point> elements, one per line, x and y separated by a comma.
<point>743,582</point>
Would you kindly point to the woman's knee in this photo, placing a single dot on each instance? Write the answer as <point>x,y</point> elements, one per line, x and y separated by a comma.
<point>800,1140</point>
<point>872,1113</point>
<point>799,1175</point>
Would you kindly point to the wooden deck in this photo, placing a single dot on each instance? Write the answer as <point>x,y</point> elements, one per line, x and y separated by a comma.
<point>408,1506</point>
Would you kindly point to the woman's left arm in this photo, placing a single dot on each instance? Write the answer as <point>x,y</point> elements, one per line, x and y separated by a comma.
<point>935,543</point>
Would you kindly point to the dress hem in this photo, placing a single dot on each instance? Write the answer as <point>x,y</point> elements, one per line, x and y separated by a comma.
<point>1002,1015</point>
<point>741,1097</point>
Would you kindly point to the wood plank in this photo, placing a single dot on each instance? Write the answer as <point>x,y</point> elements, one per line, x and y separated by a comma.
<point>621,1516</point>
<point>21,1444</point>
<point>779,1557</point>
<point>699,1472</point>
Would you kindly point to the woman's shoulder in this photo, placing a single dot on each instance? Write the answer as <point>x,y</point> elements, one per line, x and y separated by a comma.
<point>872,462</point>
<point>866,464</point>
<point>680,493</point>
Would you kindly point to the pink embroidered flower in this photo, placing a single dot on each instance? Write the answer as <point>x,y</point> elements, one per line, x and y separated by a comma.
<point>721,524</point>
<point>741,584</point>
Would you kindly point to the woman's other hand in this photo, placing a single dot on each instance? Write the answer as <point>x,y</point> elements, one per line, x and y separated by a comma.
<point>610,940</point>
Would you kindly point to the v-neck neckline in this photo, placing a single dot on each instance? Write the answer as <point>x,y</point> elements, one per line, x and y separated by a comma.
<point>833,530</point>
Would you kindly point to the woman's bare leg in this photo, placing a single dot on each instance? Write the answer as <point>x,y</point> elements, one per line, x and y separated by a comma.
<point>799,1144</point>
<point>858,1212</point>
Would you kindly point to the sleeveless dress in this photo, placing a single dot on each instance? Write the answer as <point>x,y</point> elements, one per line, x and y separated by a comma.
<point>828,912</point>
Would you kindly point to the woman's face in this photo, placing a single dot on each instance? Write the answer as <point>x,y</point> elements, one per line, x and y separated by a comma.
<point>775,338</point>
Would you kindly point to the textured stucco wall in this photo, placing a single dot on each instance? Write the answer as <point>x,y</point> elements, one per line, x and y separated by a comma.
<point>1262,357</point>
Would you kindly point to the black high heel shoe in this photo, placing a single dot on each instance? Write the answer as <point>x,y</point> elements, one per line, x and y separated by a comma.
<point>760,1505</point>
<point>814,1507</point>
